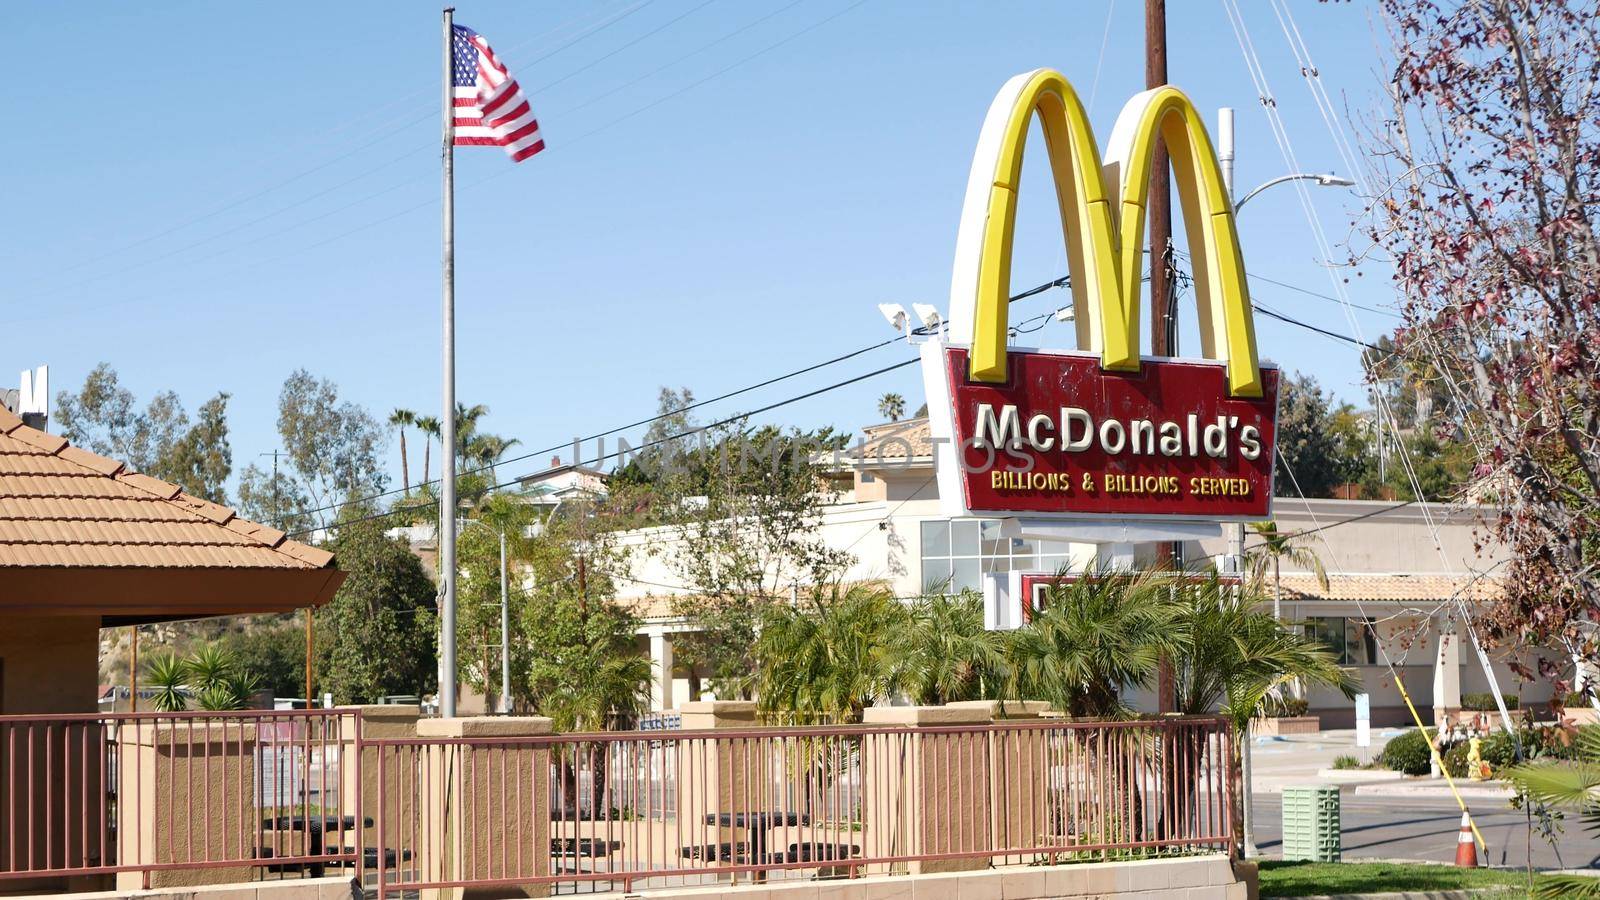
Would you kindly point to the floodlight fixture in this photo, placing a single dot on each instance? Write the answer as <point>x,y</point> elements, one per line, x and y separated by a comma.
<point>895,314</point>
<point>929,314</point>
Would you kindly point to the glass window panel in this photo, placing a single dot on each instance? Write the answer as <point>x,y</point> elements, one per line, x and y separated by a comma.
<point>964,537</point>
<point>1024,563</point>
<point>993,543</point>
<point>996,564</point>
<point>1021,547</point>
<point>936,538</point>
<point>964,574</point>
<point>935,572</point>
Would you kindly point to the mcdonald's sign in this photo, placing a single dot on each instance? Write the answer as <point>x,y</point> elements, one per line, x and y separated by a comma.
<point>1099,430</point>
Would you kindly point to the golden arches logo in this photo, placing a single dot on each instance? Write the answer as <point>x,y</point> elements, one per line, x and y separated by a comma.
<point>1102,207</point>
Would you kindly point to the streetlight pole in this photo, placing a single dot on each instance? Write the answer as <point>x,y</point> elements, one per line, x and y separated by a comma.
<point>1225,157</point>
<point>505,622</point>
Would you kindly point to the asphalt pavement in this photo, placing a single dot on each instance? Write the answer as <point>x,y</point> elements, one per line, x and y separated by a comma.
<point>1426,828</point>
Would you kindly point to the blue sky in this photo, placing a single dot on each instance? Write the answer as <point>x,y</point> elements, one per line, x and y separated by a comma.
<point>209,196</point>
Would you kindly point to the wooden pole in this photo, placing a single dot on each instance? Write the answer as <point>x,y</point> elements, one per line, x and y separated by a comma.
<point>309,687</point>
<point>1163,331</point>
<point>133,670</point>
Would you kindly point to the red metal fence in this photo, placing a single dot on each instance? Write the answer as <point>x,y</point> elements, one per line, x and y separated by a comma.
<point>633,811</point>
<point>301,793</point>
<point>95,794</point>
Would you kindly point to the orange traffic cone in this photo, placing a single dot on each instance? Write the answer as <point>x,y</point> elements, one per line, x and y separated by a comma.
<point>1466,846</point>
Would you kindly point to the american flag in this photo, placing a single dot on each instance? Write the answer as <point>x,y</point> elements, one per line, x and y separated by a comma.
<point>489,107</point>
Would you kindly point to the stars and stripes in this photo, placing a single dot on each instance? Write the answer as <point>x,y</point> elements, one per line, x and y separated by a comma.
<point>489,107</point>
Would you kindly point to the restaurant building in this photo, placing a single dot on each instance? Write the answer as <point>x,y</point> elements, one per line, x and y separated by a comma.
<point>1391,589</point>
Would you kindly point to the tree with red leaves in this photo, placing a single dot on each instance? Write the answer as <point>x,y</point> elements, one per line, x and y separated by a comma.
<point>1486,159</point>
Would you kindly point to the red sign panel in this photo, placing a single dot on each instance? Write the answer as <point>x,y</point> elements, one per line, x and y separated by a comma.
<point>1061,435</point>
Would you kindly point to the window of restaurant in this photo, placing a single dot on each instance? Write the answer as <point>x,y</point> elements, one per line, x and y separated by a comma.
<point>956,553</point>
<point>1351,637</point>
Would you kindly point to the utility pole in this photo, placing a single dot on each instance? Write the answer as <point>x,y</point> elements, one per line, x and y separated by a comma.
<point>1163,322</point>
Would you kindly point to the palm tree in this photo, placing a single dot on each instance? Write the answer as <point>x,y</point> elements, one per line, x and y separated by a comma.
<point>467,425</point>
<point>892,406</point>
<point>168,674</point>
<point>1235,657</point>
<point>429,426</point>
<point>401,418</point>
<point>1276,548</point>
<point>826,660</point>
<point>1098,634</point>
<point>942,653</point>
<point>1569,784</point>
<point>484,451</point>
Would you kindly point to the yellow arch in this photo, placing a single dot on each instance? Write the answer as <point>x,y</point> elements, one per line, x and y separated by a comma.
<point>1102,211</point>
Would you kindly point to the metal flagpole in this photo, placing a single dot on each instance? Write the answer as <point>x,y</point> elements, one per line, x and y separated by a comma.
<point>447,474</point>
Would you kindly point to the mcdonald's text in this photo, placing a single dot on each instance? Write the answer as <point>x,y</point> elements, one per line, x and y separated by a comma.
<point>1063,435</point>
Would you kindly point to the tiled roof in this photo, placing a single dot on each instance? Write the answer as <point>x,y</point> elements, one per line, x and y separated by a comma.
<point>1402,587</point>
<point>61,506</point>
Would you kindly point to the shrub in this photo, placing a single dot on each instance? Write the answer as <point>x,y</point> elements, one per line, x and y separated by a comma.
<point>1485,701</point>
<point>1287,706</point>
<point>1576,699</point>
<point>1409,753</point>
<point>1498,750</point>
<point>1346,762</point>
<point>1455,759</point>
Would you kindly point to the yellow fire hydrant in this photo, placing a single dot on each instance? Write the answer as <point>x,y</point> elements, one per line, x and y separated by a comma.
<point>1477,769</point>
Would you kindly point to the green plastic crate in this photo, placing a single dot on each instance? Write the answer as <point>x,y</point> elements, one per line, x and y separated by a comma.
<point>1311,824</point>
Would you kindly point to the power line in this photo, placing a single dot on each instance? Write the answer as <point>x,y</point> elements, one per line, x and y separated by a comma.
<point>301,251</point>
<point>234,204</point>
<point>645,445</point>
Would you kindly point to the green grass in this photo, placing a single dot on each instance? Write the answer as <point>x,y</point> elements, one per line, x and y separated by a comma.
<point>1304,879</point>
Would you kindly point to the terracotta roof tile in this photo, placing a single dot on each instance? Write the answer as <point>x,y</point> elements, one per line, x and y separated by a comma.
<point>61,506</point>
<point>49,443</point>
<point>92,461</point>
<point>163,489</point>
<point>215,512</point>
<point>1402,587</point>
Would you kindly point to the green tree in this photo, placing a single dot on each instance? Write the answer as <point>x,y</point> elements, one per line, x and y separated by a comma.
<point>378,633</point>
<point>1273,550</point>
<point>892,406</point>
<point>159,440</point>
<point>1311,454</point>
<point>748,503</point>
<point>939,652</point>
<point>1098,635</point>
<point>332,444</point>
<point>276,499</point>
<point>168,676</point>
<point>274,648</point>
<point>827,658</point>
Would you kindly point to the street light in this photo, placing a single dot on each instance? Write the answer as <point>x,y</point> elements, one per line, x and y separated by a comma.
<point>1322,180</point>
<point>505,623</point>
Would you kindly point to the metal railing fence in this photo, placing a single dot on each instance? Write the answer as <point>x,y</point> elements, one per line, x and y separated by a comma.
<point>635,811</point>
<point>256,790</point>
